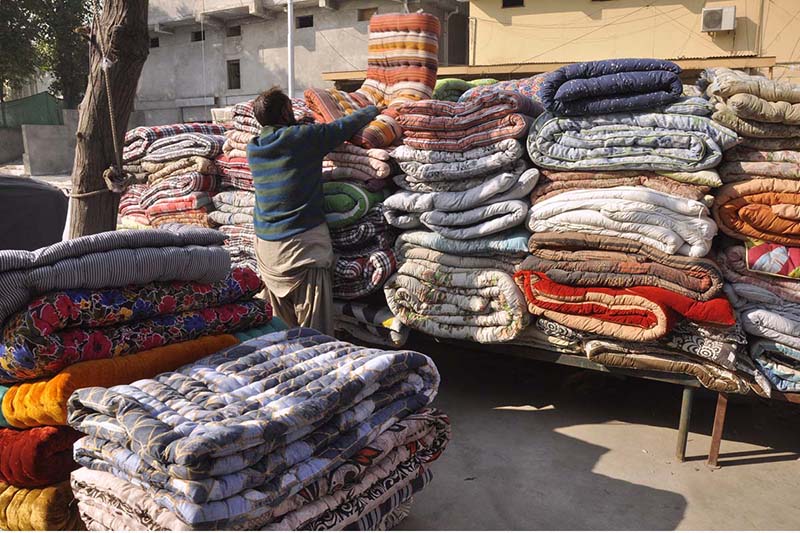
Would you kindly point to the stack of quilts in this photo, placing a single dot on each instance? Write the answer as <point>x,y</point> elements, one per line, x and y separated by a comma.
<point>105,309</point>
<point>462,204</point>
<point>371,168</point>
<point>451,89</point>
<point>759,205</point>
<point>175,164</point>
<point>370,322</point>
<point>621,223</point>
<point>292,430</point>
<point>401,67</point>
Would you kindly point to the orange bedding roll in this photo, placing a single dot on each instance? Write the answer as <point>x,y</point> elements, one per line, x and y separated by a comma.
<point>44,402</point>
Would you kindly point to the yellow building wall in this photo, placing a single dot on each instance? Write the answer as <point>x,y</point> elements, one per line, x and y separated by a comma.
<point>581,30</point>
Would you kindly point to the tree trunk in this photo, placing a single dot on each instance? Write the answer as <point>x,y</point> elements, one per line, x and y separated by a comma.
<point>124,26</point>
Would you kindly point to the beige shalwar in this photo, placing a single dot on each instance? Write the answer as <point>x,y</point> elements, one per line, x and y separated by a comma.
<point>297,273</point>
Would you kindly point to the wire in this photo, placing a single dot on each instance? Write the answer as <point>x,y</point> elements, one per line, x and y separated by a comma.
<point>203,52</point>
<point>337,51</point>
<point>794,16</point>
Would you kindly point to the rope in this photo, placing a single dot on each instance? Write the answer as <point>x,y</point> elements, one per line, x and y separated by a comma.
<point>87,194</point>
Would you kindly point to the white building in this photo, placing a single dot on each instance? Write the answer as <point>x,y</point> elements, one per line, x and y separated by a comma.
<point>212,53</point>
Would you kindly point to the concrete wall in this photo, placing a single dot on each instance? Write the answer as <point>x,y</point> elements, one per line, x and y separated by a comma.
<point>10,144</point>
<point>182,80</point>
<point>48,149</point>
<point>580,30</point>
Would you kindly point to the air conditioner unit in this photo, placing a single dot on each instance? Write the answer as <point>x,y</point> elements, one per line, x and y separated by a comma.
<point>719,19</point>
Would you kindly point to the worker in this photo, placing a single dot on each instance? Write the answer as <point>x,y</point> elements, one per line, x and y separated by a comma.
<point>293,244</point>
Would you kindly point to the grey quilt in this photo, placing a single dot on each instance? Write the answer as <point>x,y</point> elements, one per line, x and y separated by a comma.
<point>427,165</point>
<point>112,259</point>
<point>477,222</point>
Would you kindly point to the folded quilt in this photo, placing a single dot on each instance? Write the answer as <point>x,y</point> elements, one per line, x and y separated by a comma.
<point>346,203</point>
<point>632,313</point>
<point>726,83</point>
<point>772,259</point>
<point>185,145</point>
<point>36,457</point>
<point>177,187</point>
<point>190,201</point>
<point>545,334</point>
<point>293,405</point>
<point>761,208</point>
<point>513,243</point>
<point>554,182</point>
<point>223,218</point>
<point>370,233</point>
<point>394,455</point>
<point>514,126</point>
<point>358,157</point>
<point>44,402</point>
<point>138,141</point>
<point>631,141</point>
<point>224,163</point>
<point>111,259</point>
<point>372,323</point>
<point>477,222</point>
<point>503,187</point>
<point>587,260</point>
<point>46,509</point>
<point>668,223</point>
<point>779,322</point>
<point>611,86</point>
<point>52,353</point>
<point>441,116</point>
<point>744,163</point>
<point>528,87</point>
<point>488,183</point>
<point>779,363</point>
<point>427,165</point>
<point>789,143</point>
<point>362,176</point>
<point>354,277</point>
<point>748,127</point>
<point>411,252</point>
<point>234,201</point>
<point>733,263</point>
<point>159,171</point>
<point>652,357</point>
<point>466,303</point>
<point>189,217</point>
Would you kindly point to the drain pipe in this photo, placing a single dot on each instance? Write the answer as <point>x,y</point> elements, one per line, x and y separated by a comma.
<point>290,46</point>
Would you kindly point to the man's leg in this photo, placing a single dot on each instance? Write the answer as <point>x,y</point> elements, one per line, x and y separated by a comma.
<point>314,301</point>
<point>283,308</point>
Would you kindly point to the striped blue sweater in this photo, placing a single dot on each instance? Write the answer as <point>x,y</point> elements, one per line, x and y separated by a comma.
<point>286,163</point>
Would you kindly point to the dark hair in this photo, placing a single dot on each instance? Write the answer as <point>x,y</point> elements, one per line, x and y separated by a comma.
<point>273,107</point>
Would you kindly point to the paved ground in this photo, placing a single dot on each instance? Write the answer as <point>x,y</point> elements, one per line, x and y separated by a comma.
<point>538,446</point>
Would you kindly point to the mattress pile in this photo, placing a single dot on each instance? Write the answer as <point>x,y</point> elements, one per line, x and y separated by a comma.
<point>462,204</point>
<point>401,67</point>
<point>175,165</point>
<point>371,168</point>
<point>292,430</point>
<point>622,228</point>
<point>757,207</point>
<point>101,310</point>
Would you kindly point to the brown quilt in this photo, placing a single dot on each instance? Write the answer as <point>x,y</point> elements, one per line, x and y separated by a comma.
<point>760,208</point>
<point>587,260</point>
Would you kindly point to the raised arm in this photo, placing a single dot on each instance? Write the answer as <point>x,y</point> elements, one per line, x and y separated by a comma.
<point>329,136</point>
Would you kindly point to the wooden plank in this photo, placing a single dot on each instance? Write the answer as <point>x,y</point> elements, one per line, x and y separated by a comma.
<point>521,70</point>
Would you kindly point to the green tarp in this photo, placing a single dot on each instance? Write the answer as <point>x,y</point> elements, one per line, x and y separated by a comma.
<point>42,108</point>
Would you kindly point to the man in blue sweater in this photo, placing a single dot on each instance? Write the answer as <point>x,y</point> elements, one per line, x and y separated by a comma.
<point>293,245</point>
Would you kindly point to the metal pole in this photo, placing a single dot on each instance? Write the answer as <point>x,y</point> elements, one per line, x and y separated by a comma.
<point>290,45</point>
<point>683,426</point>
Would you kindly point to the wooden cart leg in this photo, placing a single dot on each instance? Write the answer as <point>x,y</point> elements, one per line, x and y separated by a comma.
<point>683,425</point>
<point>716,433</point>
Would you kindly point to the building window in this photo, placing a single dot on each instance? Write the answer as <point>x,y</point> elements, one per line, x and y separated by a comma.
<point>306,21</point>
<point>198,36</point>
<point>233,31</point>
<point>365,14</point>
<point>154,42</point>
<point>234,75</point>
<point>513,3</point>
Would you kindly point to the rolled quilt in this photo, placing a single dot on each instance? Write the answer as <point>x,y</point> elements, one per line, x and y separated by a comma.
<point>185,145</point>
<point>176,187</point>
<point>46,509</point>
<point>388,460</point>
<point>429,165</point>
<point>191,201</point>
<point>586,260</point>
<point>677,138</point>
<point>467,301</point>
<point>653,357</point>
<point>763,314</point>
<point>372,323</point>
<point>513,243</point>
<point>514,126</point>
<point>346,203</point>
<point>528,87</point>
<point>779,363</point>
<point>138,141</point>
<point>322,401</point>
<point>191,217</point>
<point>44,402</point>
<point>728,118</point>
<point>355,276</point>
<point>553,183</point>
<point>159,171</point>
<point>632,313</point>
<point>477,222</point>
<point>611,86</point>
<point>668,223</point>
<point>451,89</point>
<point>732,261</point>
<point>773,259</point>
<point>760,208</point>
<point>111,259</point>
<point>36,457</point>
<point>370,233</point>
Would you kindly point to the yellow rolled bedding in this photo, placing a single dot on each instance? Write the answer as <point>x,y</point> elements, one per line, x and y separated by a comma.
<point>46,509</point>
<point>44,402</point>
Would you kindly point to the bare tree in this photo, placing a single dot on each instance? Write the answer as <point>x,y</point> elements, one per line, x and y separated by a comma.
<point>123,36</point>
